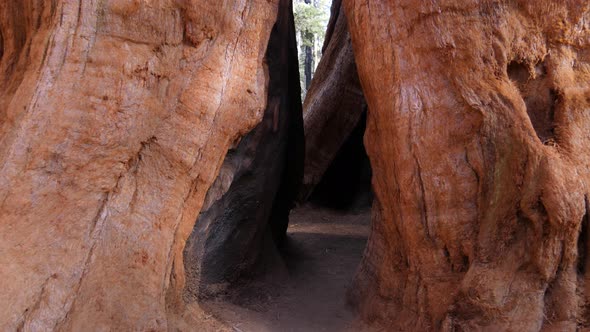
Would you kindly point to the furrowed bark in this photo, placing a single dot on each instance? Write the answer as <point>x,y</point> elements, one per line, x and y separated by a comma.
<point>478,139</point>
<point>115,119</point>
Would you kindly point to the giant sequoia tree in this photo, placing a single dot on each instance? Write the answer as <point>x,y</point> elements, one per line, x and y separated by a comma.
<point>479,138</point>
<point>115,117</point>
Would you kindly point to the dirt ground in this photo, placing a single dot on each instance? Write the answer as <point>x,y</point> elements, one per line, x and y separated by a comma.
<point>309,294</point>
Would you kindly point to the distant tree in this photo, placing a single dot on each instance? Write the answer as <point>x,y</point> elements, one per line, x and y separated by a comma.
<point>311,18</point>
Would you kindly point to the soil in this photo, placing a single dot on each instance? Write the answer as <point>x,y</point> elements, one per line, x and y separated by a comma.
<point>309,293</point>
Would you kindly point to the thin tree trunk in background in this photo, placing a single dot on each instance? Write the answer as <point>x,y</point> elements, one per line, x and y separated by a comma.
<point>308,63</point>
<point>308,56</point>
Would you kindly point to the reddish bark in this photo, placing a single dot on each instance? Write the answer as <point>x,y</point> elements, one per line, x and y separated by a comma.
<point>246,210</point>
<point>115,119</point>
<point>478,136</point>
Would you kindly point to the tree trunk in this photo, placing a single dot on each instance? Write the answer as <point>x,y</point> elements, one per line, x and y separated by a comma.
<point>245,215</point>
<point>308,56</point>
<point>308,62</point>
<point>334,103</point>
<point>114,121</point>
<point>478,138</point>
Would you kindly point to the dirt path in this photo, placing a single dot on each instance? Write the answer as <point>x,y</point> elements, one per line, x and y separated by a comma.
<point>324,251</point>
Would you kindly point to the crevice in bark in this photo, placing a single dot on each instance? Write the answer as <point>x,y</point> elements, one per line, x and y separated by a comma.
<point>42,295</point>
<point>1,45</point>
<point>583,242</point>
<point>539,96</point>
<point>18,26</point>
<point>582,267</point>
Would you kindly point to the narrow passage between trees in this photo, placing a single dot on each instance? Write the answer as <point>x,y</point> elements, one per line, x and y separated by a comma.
<point>323,253</point>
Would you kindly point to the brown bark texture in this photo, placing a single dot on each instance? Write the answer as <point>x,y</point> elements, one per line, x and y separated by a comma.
<point>479,136</point>
<point>115,117</point>
<point>245,214</point>
<point>334,103</point>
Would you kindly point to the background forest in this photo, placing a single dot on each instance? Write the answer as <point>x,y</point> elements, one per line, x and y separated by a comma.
<point>311,20</point>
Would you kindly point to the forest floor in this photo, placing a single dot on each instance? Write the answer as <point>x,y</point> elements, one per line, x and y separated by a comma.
<point>309,294</point>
